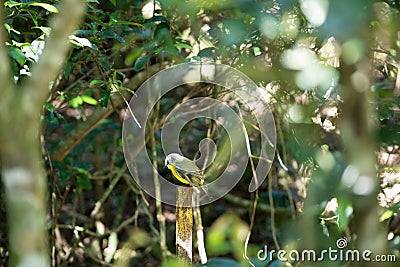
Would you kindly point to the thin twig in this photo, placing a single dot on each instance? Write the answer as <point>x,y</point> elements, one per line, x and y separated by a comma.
<point>285,160</point>
<point>199,227</point>
<point>256,196</point>
<point>160,216</point>
<point>107,193</point>
<point>53,214</point>
<point>272,213</point>
<point>246,203</point>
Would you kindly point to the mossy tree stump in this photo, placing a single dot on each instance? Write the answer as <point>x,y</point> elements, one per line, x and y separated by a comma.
<point>184,224</point>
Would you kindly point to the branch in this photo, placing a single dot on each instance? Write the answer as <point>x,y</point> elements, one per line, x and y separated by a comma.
<point>199,228</point>
<point>246,203</point>
<point>84,128</point>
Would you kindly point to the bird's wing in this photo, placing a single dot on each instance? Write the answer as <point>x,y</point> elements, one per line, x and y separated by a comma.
<point>195,170</point>
<point>188,178</point>
<point>191,168</point>
<point>193,178</point>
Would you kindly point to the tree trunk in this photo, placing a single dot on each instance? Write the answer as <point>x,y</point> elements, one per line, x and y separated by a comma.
<point>22,169</point>
<point>358,138</point>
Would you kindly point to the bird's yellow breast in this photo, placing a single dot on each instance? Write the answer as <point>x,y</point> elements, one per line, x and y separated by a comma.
<point>176,174</point>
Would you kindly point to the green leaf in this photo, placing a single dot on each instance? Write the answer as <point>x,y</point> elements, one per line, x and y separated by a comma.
<point>104,97</point>
<point>208,52</point>
<point>67,70</point>
<point>345,212</point>
<point>11,3</point>
<point>64,175</point>
<point>114,16</point>
<point>158,18</point>
<point>126,23</point>
<point>83,182</point>
<point>83,178</point>
<point>133,55</point>
<point>9,29</point>
<point>141,62</point>
<point>183,45</point>
<point>50,107</point>
<point>123,88</point>
<point>386,215</point>
<point>17,54</point>
<point>89,100</point>
<point>162,32</point>
<point>82,42</point>
<point>325,229</point>
<point>76,101</point>
<point>59,116</point>
<point>257,51</point>
<point>34,50</point>
<point>96,82</point>
<point>48,7</point>
<point>84,32</point>
<point>174,262</point>
<point>45,30</point>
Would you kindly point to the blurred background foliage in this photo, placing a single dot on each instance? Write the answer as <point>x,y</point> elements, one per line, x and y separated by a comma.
<point>293,50</point>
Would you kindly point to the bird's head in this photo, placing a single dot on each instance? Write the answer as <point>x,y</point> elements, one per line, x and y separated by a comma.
<point>171,159</point>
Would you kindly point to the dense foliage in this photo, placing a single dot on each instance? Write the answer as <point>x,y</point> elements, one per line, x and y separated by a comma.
<point>305,55</point>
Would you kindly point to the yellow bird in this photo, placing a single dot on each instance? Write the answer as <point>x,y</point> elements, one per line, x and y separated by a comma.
<point>185,170</point>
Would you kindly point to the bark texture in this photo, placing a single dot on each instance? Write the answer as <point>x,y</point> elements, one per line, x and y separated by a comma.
<point>22,169</point>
